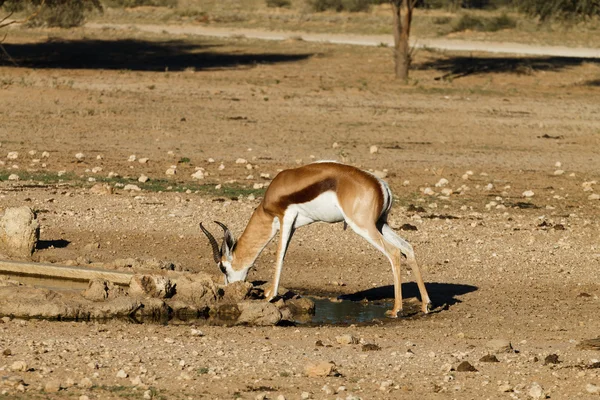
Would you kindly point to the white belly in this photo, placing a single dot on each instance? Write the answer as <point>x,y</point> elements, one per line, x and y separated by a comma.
<point>324,207</point>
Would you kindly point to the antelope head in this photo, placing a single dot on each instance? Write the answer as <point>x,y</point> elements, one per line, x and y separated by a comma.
<point>225,255</point>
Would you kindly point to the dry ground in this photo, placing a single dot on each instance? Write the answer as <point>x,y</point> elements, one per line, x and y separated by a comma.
<point>498,265</point>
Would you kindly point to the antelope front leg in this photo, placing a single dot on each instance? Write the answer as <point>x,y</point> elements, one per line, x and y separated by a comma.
<point>286,232</point>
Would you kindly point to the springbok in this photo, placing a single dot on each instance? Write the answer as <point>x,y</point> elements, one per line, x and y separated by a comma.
<point>324,191</point>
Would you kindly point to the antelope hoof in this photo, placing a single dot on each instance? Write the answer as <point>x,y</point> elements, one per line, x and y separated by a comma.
<point>427,307</point>
<point>269,294</point>
<point>393,313</point>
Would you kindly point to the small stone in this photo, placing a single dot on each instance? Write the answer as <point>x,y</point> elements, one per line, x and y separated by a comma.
<point>559,172</point>
<point>489,358</point>
<point>528,193</point>
<point>428,191</point>
<point>13,177</point>
<point>85,383</point>
<point>335,145</point>
<point>323,368</point>
<point>466,366</point>
<point>551,359</point>
<point>370,347</point>
<point>122,374</point>
<point>347,339</point>
<point>373,149</point>
<point>101,189</point>
<point>83,397</point>
<point>258,186</point>
<point>148,394</point>
<point>241,161</point>
<point>95,170</point>
<point>442,182</point>
<point>505,388</point>
<point>143,179</point>
<point>305,395</point>
<point>260,396</point>
<point>172,170</point>
<point>131,158</point>
<point>281,397</point>
<point>594,196</point>
<point>19,366</point>
<point>198,175</point>
<point>80,156</point>
<point>132,188</point>
<point>499,346</point>
<point>536,391</point>
<point>13,155</point>
<point>196,332</point>
<point>143,160</point>
<point>7,352</point>
<point>447,191</point>
<point>221,167</point>
<point>385,385</point>
<point>52,386</point>
<point>592,389</point>
<point>327,390</point>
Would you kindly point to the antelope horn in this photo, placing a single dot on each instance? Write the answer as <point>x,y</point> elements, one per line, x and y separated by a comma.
<point>213,243</point>
<point>222,225</point>
<point>227,235</point>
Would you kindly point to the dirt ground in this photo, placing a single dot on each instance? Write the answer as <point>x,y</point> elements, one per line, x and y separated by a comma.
<point>497,265</point>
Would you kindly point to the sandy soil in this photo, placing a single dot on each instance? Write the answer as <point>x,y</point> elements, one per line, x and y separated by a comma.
<point>498,265</point>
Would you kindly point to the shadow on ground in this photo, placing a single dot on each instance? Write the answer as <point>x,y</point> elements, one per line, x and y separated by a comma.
<point>48,244</point>
<point>461,66</point>
<point>440,293</point>
<point>138,55</point>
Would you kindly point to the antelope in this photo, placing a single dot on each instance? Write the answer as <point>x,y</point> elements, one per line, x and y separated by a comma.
<point>324,191</point>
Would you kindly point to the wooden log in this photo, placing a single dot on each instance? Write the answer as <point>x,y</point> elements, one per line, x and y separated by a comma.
<point>63,272</point>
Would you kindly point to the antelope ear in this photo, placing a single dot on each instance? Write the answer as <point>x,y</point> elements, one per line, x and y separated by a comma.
<point>228,245</point>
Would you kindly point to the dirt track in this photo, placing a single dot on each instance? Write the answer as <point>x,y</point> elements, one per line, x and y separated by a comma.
<point>497,264</point>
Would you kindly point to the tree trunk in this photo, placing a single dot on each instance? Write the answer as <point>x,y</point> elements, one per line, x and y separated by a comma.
<point>402,10</point>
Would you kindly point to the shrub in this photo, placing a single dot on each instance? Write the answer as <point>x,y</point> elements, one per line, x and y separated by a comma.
<point>340,5</point>
<point>138,3</point>
<point>278,3</point>
<point>482,24</point>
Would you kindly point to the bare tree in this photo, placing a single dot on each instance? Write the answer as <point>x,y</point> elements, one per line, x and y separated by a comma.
<point>403,10</point>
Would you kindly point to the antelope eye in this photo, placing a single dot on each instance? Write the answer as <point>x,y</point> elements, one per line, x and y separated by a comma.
<point>222,268</point>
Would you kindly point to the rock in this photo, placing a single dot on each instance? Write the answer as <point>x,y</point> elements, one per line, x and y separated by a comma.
<point>6,352</point>
<point>143,178</point>
<point>131,158</point>
<point>505,388</point>
<point>327,390</point>
<point>347,339</point>
<point>198,175</point>
<point>428,191</point>
<point>536,391</point>
<point>385,385</point>
<point>592,389</point>
<point>258,313</point>
<point>13,177</point>
<point>151,286</point>
<point>305,395</point>
<point>147,394</point>
<point>323,368</point>
<point>122,374</point>
<point>551,359</point>
<point>281,397</point>
<point>489,358</point>
<point>45,154</point>
<point>19,366</point>
<point>373,149</point>
<point>499,346</point>
<point>143,160</point>
<point>80,156</point>
<point>236,292</point>
<point>528,193</point>
<point>132,188</point>
<point>559,172</point>
<point>101,189</point>
<point>196,332</point>
<point>466,366</point>
<point>85,383</point>
<point>172,170</point>
<point>442,182</point>
<point>52,386</point>
<point>370,347</point>
<point>13,155</point>
<point>241,161</point>
<point>100,290</point>
<point>198,290</point>
<point>594,196</point>
<point>19,231</point>
<point>301,305</point>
